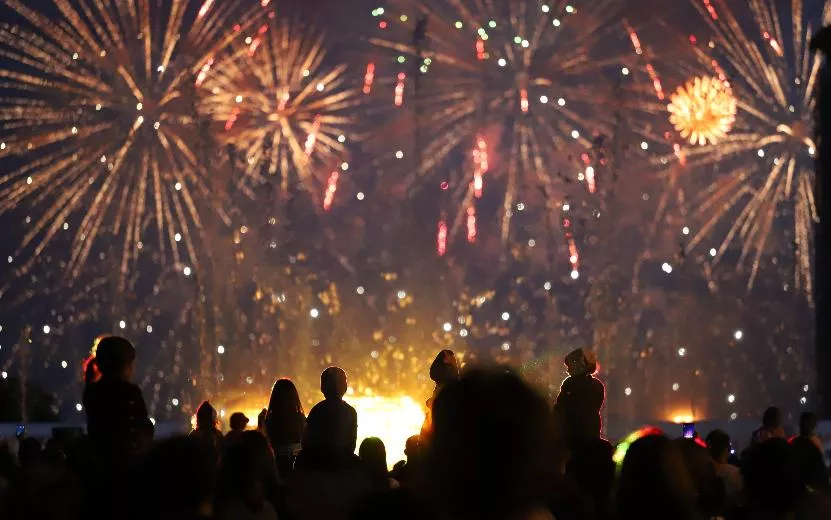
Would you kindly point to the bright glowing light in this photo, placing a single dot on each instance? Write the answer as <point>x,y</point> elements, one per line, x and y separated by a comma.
<point>547,286</point>
<point>683,417</point>
<point>46,329</point>
<point>186,271</point>
<point>675,387</point>
<point>731,398</point>
<point>401,295</point>
<point>666,268</point>
<point>575,274</point>
<point>393,419</point>
<point>575,134</point>
<point>4,374</point>
<point>220,349</point>
<point>122,324</point>
<point>505,316</point>
<point>447,327</point>
<point>399,154</point>
<point>685,230</point>
<point>738,334</point>
<point>360,290</point>
<point>501,62</point>
<point>627,391</point>
<point>174,402</point>
<point>64,364</point>
<point>314,313</point>
<point>360,195</point>
<point>703,110</point>
<point>78,406</point>
<point>682,352</point>
<point>713,251</point>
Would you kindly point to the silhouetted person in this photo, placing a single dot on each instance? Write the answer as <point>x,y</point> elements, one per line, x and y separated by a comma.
<point>771,481</point>
<point>718,444</point>
<point>580,399</point>
<point>444,370</point>
<point>284,424</point>
<point>708,485</point>
<point>248,480</point>
<point>206,431</point>
<point>175,481</point>
<point>373,456</point>
<point>592,468</point>
<point>489,455</point>
<point>332,427</point>
<point>654,483</point>
<point>117,421</point>
<point>238,423</point>
<point>404,470</point>
<point>808,430</point>
<point>771,427</point>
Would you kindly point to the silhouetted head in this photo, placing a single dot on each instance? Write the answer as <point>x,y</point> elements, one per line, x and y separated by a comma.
<point>654,482</point>
<point>718,444</point>
<point>489,455</point>
<point>807,424</point>
<point>412,446</point>
<point>702,470</point>
<point>445,367</point>
<point>238,421</point>
<point>115,358</point>
<point>206,416</point>
<point>333,383</point>
<point>175,480</point>
<point>592,467</point>
<point>373,456</point>
<point>581,362</point>
<point>771,476</point>
<point>772,418</point>
<point>248,467</point>
<point>285,401</point>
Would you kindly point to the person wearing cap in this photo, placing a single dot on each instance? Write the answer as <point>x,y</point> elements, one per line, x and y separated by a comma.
<point>332,427</point>
<point>238,423</point>
<point>581,398</point>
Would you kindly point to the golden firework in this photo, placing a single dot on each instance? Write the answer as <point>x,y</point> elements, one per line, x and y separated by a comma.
<point>98,119</point>
<point>703,110</point>
<point>276,103</point>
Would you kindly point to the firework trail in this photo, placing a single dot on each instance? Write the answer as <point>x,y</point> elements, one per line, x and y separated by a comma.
<point>279,105</point>
<point>97,111</point>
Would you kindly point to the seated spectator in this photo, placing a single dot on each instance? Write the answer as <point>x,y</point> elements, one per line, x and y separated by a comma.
<point>771,427</point>
<point>654,483</point>
<point>718,444</point>
<point>238,423</point>
<point>403,470</point>
<point>207,430</point>
<point>248,480</point>
<point>332,427</point>
<point>284,424</point>
<point>373,456</point>
<point>489,454</point>
<point>175,481</point>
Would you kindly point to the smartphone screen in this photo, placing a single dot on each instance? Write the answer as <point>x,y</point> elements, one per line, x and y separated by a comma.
<point>688,430</point>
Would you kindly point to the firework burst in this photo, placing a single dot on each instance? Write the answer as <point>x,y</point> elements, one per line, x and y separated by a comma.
<point>97,108</point>
<point>765,165</point>
<point>703,110</point>
<point>509,89</point>
<point>277,103</point>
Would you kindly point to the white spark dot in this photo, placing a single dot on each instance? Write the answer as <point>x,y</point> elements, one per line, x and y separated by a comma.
<point>811,150</point>
<point>139,106</point>
<point>46,329</point>
<point>685,230</point>
<point>220,349</point>
<point>74,130</point>
<point>463,333</point>
<point>675,387</point>
<point>186,271</point>
<point>320,87</point>
<point>152,420</point>
<point>555,22</point>
<point>738,334</point>
<point>306,73</point>
<point>644,145</point>
<point>74,55</point>
<point>156,125</point>
<point>360,290</point>
<point>399,154</point>
<point>545,8</point>
<point>64,364</point>
<point>401,295</point>
<point>547,286</point>
<point>627,391</point>
<point>734,416</point>
<point>341,138</point>
<point>314,313</point>
<point>624,71</point>
<point>238,99</point>
<point>122,324</point>
<point>149,329</point>
<point>505,316</point>
<point>803,400</point>
<point>174,402</point>
<point>501,62</point>
<point>731,398</point>
<point>360,195</point>
<point>506,346</point>
<point>177,237</point>
<point>575,134</point>
<point>575,274</point>
<point>525,44</point>
<point>344,166</point>
<point>98,107</point>
<point>666,268</point>
<point>805,388</point>
<point>760,153</point>
<point>682,352</point>
<point>28,180</point>
<point>447,327</point>
<point>532,242</point>
<point>543,99</point>
<point>178,186</point>
<point>569,9</point>
<point>713,251</point>
<point>79,407</point>
<point>566,206</point>
<point>520,207</point>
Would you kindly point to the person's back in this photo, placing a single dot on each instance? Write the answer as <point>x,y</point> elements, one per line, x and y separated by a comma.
<point>248,480</point>
<point>718,445</point>
<point>771,427</point>
<point>332,426</point>
<point>284,423</point>
<point>206,431</point>
<point>581,398</point>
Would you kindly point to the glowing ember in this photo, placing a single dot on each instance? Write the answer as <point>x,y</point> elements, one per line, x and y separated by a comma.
<point>703,110</point>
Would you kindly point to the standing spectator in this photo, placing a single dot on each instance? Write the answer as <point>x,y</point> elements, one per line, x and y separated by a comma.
<point>404,470</point>
<point>207,430</point>
<point>581,398</point>
<point>771,427</point>
<point>490,452</point>
<point>117,421</point>
<point>284,424</point>
<point>808,430</point>
<point>238,423</point>
<point>444,370</point>
<point>373,456</point>
<point>332,427</point>
<point>718,444</point>
<point>248,480</point>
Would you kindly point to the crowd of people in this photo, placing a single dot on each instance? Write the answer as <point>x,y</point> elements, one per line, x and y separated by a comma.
<point>491,448</point>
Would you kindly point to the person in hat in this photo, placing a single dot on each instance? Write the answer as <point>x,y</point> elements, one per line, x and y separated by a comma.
<point>443,371</point>
<point>581,398</point>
